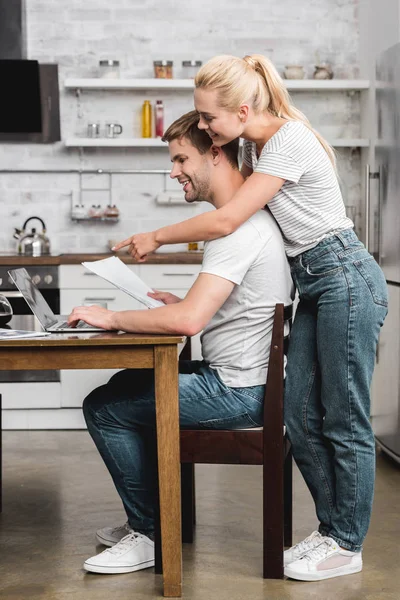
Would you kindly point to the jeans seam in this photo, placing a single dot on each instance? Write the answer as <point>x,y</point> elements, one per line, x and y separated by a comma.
<point>350,397</point>
<point>314,453</point>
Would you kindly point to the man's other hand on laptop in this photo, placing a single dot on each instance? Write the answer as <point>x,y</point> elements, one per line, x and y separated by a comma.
<point>92,315</point>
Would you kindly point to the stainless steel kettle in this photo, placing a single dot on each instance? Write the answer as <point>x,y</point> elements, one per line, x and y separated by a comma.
<point>33,243</point>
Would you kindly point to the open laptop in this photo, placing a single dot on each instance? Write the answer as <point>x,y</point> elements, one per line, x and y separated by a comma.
<point>42,311</point>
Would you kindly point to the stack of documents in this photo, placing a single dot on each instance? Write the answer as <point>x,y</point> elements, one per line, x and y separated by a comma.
<point>16,334</point>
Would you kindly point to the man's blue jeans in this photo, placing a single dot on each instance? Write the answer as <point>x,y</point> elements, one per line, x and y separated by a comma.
<point>343,303</point>
<point>121,420</point>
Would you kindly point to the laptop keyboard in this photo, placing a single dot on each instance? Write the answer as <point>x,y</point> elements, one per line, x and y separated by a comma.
<point>80,325</point>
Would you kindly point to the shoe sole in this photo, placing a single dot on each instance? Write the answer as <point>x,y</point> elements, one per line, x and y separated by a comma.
<point>116,570</point>
<point>320,576</point>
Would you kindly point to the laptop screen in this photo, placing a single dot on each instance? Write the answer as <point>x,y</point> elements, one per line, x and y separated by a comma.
<point>33,297</point>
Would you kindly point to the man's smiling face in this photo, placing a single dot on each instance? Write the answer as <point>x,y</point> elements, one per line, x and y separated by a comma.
<point>191,168</point>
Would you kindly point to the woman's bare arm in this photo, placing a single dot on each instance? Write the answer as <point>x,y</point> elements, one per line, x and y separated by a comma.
<point>253,195</point>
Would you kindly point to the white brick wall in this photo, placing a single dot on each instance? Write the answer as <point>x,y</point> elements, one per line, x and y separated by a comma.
<point>77,35</point>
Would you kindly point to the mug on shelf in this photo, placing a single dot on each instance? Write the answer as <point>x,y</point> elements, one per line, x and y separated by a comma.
<point>113,129</point>
<point>93,130</point>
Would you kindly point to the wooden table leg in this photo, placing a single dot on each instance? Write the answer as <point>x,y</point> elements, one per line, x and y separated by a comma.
<point>167,417</point>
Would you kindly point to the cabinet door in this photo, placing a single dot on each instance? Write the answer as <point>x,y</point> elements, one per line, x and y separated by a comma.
<point>74,277</point>
<point>169,277</point>
<point>112,299</point>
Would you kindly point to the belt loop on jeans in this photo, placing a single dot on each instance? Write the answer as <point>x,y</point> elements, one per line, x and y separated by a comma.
<point>345,242</point>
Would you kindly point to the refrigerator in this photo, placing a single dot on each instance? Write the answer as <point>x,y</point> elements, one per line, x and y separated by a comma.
<point>385,412</point>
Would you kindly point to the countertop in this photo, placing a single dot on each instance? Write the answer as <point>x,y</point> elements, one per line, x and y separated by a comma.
<point>177,258</point>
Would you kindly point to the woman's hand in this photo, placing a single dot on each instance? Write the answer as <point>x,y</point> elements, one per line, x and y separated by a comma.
<point>92,315</point>
<point>165,297</point>
<point>139,245</point>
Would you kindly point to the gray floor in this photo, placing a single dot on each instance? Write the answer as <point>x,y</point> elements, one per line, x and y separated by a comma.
<point>57,493</point>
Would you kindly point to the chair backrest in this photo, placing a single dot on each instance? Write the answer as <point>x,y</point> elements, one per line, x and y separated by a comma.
<point>273,398</point>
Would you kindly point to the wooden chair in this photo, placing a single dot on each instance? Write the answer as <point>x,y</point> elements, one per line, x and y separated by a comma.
<point>267,446</point>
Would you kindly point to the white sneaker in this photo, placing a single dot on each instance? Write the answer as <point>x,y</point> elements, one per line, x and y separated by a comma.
<point>325,561</point>
<point>134,552</point>
<point>300,549</point>
<point>108,536</point>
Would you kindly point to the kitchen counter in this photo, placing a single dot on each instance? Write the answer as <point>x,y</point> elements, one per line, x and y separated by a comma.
<point>157,258</point>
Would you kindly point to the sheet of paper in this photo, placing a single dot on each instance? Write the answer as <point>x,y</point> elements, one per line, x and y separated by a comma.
<point>15,334</point>
<point>116,272</point>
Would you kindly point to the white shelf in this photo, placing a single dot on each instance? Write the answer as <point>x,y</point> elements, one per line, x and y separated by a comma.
<point>129,84</point>
<point>157,143</point>
<point>115,143</point>
<point>188,84</point>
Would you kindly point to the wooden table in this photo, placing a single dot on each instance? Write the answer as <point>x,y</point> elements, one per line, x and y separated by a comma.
<point>123,351</point>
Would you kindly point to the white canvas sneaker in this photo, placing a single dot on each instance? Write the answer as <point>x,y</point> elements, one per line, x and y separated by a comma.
<point>300,549</point>
<point>325,561</point>
<point>134,552</point>
<point>108,536</point>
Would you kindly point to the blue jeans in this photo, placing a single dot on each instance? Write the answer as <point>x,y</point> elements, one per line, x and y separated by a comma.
<point>121,420</point>
<point>343,303</point>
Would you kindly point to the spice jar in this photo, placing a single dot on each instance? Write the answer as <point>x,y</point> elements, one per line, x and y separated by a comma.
<point>95,212</point>
<point>78,212</point>
<point>111,212</point>
<point>163,69</point>
<point>109,69</point>
<point>190,68</point>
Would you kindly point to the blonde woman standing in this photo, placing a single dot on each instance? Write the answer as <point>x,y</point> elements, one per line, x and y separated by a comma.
<point>343,297</point>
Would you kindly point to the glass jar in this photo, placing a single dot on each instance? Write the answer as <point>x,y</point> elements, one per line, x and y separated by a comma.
<point>109,69</point>
<point>190,68</point>
<point>163,69</point>
<point>111,212</point>
<point>79,212</point>
<point>95,212</point>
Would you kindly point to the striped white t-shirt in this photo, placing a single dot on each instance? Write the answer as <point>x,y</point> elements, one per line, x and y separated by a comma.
<point>309,206</point>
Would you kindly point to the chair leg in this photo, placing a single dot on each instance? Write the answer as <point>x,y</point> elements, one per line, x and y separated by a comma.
<point>157,539</point>
<point>188,502</point>
<point>273,511</point>
<point>288,499</point>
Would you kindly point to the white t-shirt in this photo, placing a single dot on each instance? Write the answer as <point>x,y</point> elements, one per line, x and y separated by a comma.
<point>309,206</point>
<point>237,339</point>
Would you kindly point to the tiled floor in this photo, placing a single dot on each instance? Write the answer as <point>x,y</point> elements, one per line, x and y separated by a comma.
<point>57,493</point>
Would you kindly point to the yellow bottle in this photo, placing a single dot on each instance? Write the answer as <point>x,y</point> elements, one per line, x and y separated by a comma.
<point>146,119</point>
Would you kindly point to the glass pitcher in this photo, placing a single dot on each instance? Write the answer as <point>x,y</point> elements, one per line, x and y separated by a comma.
<point>6,311</point>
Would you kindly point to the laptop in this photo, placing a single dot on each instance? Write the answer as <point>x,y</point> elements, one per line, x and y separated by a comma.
<point>42,311</point>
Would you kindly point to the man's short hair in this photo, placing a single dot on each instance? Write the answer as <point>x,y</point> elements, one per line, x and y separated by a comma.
<point>187,126</point>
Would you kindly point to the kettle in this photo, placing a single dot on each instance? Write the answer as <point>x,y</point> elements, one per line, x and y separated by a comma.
<point>33,243</point>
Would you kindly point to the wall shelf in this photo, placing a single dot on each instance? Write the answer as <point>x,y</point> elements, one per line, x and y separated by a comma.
<point>157,143</point>
<point>115,143</point>
<point>300,85</point>
<point>95,219</point>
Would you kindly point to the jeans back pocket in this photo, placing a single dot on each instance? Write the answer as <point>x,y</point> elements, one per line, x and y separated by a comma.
<point>374,278</point>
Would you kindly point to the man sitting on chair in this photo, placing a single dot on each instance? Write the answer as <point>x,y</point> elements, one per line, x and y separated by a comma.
<point>243,276</point>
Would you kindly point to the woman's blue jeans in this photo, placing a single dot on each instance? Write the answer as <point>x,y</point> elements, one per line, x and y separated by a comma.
<point>121,420</point>
<point>343,303</point>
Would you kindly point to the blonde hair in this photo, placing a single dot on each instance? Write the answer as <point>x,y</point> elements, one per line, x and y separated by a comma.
<point>187,127</point>
<point>253,79</point>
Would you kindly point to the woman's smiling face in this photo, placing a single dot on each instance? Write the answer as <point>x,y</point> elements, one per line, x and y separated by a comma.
<point>222,125</point>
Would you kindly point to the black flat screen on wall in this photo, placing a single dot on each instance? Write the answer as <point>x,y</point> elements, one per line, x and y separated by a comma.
<point>20,105</point>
